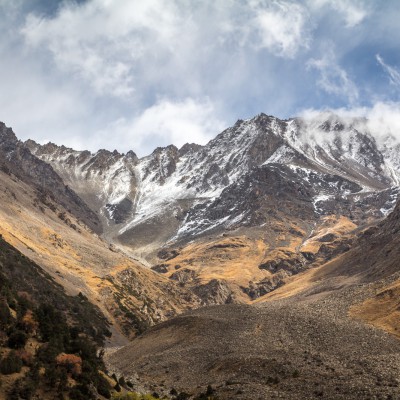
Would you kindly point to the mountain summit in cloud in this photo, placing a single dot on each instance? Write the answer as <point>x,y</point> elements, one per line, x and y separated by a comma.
<point>95,74</point>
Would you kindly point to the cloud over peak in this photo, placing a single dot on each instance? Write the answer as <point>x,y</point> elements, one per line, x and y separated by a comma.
<point>106,70</point>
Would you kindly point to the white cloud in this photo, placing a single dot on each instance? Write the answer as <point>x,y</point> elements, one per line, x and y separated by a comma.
<point>382,119</point>
<point>102,40</point>
<point>10,8</point>
<point>36,106</point>
<point>353,11</point>
<point>138,74</point>
<point>334,79</point>
<point>115,46</point>
<point>394,74</point>
<point>283,28</point>
<point>166,122</point>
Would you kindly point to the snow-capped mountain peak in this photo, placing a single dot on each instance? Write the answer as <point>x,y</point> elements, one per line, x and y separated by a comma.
<point>197,189</point>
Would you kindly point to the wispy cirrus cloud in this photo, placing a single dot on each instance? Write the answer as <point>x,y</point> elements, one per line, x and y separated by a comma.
<point>334,79</point>
<point>393,73</point>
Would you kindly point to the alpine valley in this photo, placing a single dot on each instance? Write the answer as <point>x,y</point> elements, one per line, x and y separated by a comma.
<point>261,265</point>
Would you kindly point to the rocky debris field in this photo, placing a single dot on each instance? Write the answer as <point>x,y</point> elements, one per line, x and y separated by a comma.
<point>304,347</point>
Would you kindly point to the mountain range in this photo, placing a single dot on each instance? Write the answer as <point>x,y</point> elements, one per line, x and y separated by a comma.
<point>280,236</point>
<point>273,194</point>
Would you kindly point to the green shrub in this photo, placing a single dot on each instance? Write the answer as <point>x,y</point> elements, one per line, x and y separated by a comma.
<point>132,396</point>
<point>52,323</point>
<point>209,394</point>
<point>183,396</point>
<point>48,352</point>
<point>23,305</point>
<point>63,381</point>
<point>122,382</point>
<point>103,387</point>
<point>23,389</point>
<point>80,392</point>
<point>117,387</point>
<point>51,374</point>
<point>210,391</point>
<point>10,364</point>
<point>17,339</point>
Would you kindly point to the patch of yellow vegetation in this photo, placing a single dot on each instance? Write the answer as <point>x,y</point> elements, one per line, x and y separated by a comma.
<point>234,259</point>
<point>382,311</point>
<point>308,279</point>
<point>331,224</point>
<point>237,259</point>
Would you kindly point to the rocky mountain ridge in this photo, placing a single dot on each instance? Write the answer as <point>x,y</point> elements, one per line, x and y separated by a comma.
<point>305,340</point>
<point>337,165</point>
<point>18,160</point>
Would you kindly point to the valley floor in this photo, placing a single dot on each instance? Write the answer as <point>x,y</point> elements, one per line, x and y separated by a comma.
<point>302,347</point>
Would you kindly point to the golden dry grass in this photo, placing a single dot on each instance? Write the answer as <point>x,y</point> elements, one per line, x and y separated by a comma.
<point>236,259</point>
<point>382,311</point>
<point>76,258</point>
<point>233,259</point>
<point>337,225</point>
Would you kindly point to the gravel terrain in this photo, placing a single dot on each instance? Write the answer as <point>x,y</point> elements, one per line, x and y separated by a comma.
<point>304,347</point>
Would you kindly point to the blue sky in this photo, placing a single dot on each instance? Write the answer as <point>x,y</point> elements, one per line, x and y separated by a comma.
<point>133,74</point>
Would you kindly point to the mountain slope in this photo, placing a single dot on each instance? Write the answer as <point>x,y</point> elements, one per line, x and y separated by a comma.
<point>274,184</point>
<point>375,258</point>
<point>38,323</point>
<point>279,214</point>
<point>31,219</point>
<point>18,160</point>
<point>21,275</point>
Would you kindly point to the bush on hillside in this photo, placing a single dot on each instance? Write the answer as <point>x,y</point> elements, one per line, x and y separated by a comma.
<point>17,339</point>
<point>10,364</point>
